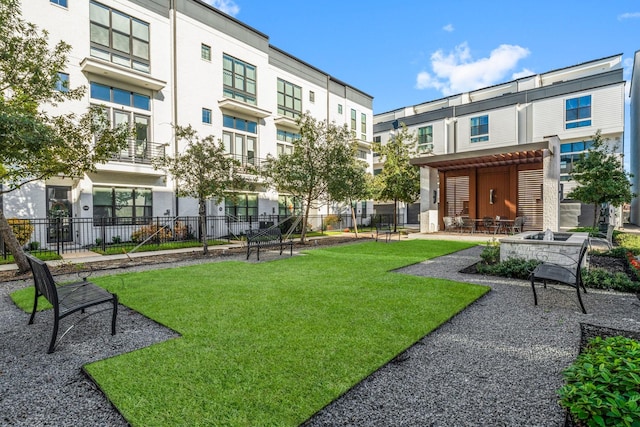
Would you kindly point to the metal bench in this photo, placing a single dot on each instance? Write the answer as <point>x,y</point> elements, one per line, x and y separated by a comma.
<point>561,274</point>
<point>387,230</point>
<point>270,237</point>
<point>68,298</point>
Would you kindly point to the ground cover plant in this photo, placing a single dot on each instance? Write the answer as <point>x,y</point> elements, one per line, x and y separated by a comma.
<point>271,343</point>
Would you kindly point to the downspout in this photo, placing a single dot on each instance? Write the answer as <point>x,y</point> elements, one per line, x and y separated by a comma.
<point>174,91</point>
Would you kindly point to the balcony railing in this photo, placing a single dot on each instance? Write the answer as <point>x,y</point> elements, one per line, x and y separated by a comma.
<point>142,152</point>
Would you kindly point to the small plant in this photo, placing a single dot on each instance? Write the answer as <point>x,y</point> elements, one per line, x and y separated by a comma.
<point>491,253</point>
<point>22,228</point>
<point>517,268</point>
<point>98,241</point>
<point>603,384</point>
<point>160,234</point>
<point>33,246</point>
<point>116,240</point>
<point>329,221</point>
<point>599,278</point>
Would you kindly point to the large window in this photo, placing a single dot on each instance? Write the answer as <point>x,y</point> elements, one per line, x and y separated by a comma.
<point>119,38</point>
<point>425,139</point>
<point>363,126</point>
<point>289,99</point>
<point>285,146</point>
<point>113,206</point>
<point>289,205</point>
<point>569,154</point>
<point>240,139</point>
<point>239,80</point>
<point>353,122</point>
<point>241,206</point>
<point>479,128</point>
<point>578,112</point>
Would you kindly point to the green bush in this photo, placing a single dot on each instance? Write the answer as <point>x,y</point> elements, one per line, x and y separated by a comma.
<point>629,241</point>
<point>22,229</point>
<point>329,221</point>
<point>491,253</point>
<point>517,268</point>
<point>602,387</point>
<point>600,278</point>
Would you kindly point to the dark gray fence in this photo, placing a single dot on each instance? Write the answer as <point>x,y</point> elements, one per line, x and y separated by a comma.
<point>62,235</point>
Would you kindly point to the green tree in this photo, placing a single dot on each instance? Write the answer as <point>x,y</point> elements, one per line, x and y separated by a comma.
<point>36,144</point>
<point>399,180</point>
<point>600,177</point>
<point>321,151</point>
<point>203,171</point>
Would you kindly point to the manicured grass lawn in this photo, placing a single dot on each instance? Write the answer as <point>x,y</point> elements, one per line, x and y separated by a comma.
<point>272,343</point>
<point>127,247</point>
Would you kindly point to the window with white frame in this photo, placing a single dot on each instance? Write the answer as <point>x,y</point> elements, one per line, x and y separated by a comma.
<point>361,154</point>
<point>119,38</point>
<point>122,205</point>
<point>363,126</point>
<point>62,85</point>
<point>240,138</point>
<point>480,128</point>
<point>289,99</point>
<point>285,144</point>
<point>569,154</point>
<point>205,52</point>
<point>62,3</point>
<point>353,122</point>
<point>425,139</point>
<point>206,116</point>
<point>239,80</point>
<point>289,205</point>
<point>238,207</point>
<point>339,108</point>
<point>312,96</point>
<point>127,108</point>
<point>578,112</point>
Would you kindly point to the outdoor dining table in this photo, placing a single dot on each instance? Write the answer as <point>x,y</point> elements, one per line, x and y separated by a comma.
<point>504,226</point>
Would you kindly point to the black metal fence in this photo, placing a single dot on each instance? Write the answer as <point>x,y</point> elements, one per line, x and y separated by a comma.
<point>104,235</point>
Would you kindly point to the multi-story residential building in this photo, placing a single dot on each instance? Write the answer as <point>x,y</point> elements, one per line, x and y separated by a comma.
<point>507,150</point>
<point>155,64</point>
<point>634,138</point>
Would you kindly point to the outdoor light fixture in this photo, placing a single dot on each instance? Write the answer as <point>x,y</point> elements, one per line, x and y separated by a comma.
<point>492,196</point>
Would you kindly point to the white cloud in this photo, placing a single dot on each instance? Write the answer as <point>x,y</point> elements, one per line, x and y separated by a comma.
<point>458,72</point>
<point>627,70</point>
<point>628,15</point>
<point>227,6</point>
<point>448,28</point>
<point>525,72</point>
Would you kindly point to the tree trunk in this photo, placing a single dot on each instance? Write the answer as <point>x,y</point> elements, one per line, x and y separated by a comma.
<point>353,217</point>
<point>395,215</point>
<point>13,245</point>
<point>202,225</point>
<point>596,214</point>
<point>303,233</point>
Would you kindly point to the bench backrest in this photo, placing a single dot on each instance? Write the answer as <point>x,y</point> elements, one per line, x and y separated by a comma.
<point>267,235</point>
<point>43,280</point>
<point>583,253</point>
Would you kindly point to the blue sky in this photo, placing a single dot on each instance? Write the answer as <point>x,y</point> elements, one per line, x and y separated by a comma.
<point>408,52</point>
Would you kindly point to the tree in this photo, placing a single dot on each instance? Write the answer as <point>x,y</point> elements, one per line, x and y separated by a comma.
<point>399,180</point>
<point>35,144</point>
<point>350,183</point>
<point>600,177</point>
<point>305,173</point>
<point>203,171</point>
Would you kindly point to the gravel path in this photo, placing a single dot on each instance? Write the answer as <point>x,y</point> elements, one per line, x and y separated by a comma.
<point>497,363</point>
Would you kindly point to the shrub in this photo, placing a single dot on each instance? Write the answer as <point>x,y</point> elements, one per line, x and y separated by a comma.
<point>491,253</point>
<point>22,229</point>
<point>517,268</point>
<point>116,240</point>
<point>602,385</point>
<point>329,221</point>
<point>629,241</point>
<point>160,234</point>
<point>34,246</point>
<point>600,278</point>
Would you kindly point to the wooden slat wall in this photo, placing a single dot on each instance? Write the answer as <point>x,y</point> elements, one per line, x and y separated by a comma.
<point>530,198</point>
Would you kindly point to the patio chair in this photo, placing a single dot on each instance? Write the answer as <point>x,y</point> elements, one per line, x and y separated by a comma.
<point>467,223</point>
<point>518,224</point>
<point>449,224</point>
<point>561,274</point>
<point>489,225</point>
<point>602,239</point>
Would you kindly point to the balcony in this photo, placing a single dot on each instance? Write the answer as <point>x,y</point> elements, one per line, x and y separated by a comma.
<point>140,152</point>
<point>249,165</point>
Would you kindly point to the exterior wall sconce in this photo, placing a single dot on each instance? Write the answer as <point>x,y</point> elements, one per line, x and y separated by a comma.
<point>435,196</point>
<point>492,196</point>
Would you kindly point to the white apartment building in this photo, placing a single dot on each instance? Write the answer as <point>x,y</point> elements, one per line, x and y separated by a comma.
<point>507,150</point>
<point>159,63</point>
<point>634,138</point>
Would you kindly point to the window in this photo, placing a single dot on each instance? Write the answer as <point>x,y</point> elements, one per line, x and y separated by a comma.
<point>114,206</point>
<point>569,154</point>
<point>206,116</point>
<point>242,140</point>
<point>339,108</point>
<point>205,52</point>
<point>425,139</point>
<point>480,129</point>
<point>578,112</point>
<point>287,138</point>
<point>377,139</point>
<point>353,122</point>
<point>363,126</point>
<point>289,205</point>
<point>361,154</point>
<point>241,206</point>
<point>377,172</point>
<point>289,99</point>
<point>312,96</point>
<point>239,80</point>
<point>62,85</point>
<point>120,96</point>
<point>62,3</point>
<point>119,38</point>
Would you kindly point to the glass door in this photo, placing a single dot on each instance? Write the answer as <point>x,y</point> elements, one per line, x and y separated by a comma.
<point>59,213</point>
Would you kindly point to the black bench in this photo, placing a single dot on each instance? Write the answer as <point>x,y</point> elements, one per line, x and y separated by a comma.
<point>561,274</point>
<point>271,237</point>
<point>68,298</point>
<point>387,230</point>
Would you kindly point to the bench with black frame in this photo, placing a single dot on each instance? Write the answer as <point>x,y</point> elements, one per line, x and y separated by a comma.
<point>270,237</point>
<point>68,298</point>
<point>561,274</point>
<point>387,230</point>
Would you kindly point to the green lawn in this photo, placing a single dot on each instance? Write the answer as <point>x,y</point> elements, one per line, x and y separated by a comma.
<point>272,343</point>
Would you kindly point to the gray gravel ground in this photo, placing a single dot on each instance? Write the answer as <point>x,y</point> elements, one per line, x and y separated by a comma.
<point>497,363</point>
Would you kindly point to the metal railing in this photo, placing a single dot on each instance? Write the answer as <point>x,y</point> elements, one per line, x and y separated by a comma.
<point>140,152</point>
<point>106,235</point>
